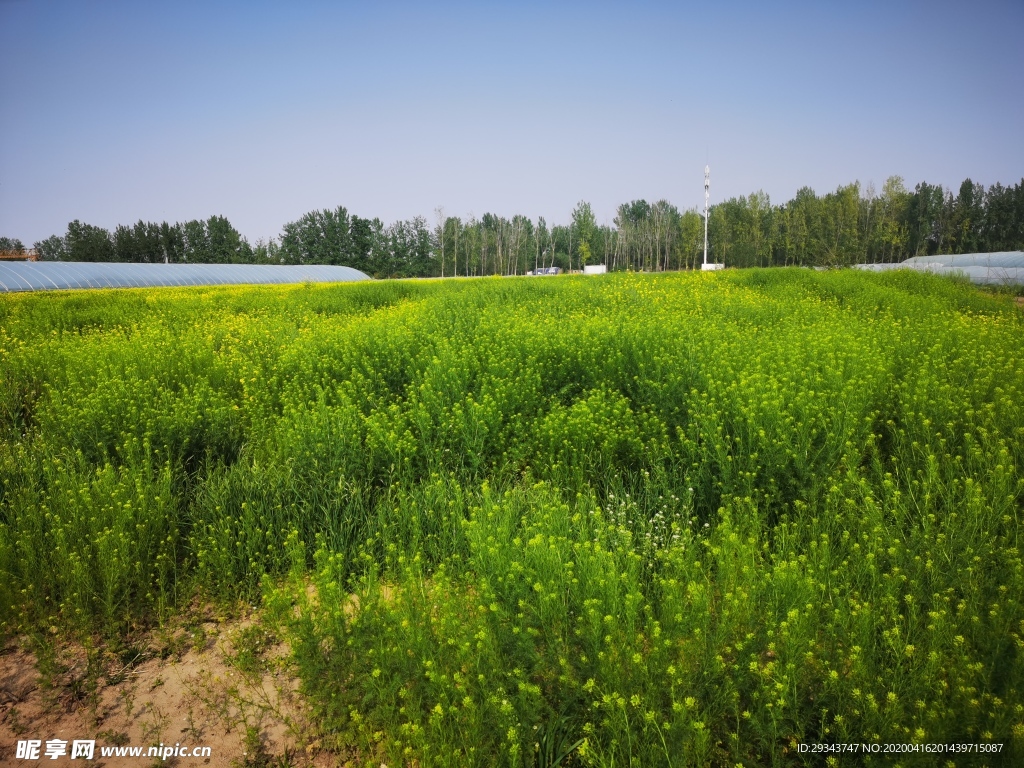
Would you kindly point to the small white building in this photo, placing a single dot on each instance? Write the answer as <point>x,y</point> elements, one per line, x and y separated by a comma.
<point>594,269</point>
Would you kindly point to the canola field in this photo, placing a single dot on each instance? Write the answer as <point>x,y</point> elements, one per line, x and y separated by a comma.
<point>636,520</point>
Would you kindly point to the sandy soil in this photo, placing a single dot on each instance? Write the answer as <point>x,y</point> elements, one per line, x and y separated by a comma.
<point>221,683</point>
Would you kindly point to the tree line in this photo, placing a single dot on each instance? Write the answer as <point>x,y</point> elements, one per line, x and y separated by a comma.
<point>848,226</point>
<point>854,225</point>
<point>214,241</point>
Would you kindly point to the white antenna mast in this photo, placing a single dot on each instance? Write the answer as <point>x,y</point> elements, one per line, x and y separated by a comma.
<point>707,196</point>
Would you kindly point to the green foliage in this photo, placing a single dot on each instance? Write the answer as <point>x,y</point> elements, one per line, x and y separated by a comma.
<point>88,243</point>
<point>848,226</point>
<point>584,226</point>
<point>681,519</point>
<point>11,244</point>
<point>320,237</point>
<point>214,241</point>
<point>53,248</point>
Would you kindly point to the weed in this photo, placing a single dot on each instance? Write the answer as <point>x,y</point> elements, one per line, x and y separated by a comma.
<point>127,697</point>
<point>250,645</point>
<point>199,639</point>
<point>115,738</point>
<point>154,724</point>
<point>256,755</point>
<point>13,717</point>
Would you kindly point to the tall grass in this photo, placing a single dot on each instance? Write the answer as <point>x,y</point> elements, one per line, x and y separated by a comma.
<point>636,520</point>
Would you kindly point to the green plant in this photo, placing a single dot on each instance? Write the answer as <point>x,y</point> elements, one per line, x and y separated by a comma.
<point>677,519</point>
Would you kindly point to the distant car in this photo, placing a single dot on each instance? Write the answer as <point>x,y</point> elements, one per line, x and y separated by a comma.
<point>545,271</point>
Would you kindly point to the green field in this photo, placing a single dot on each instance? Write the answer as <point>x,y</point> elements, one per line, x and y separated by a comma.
<point>688,519</point>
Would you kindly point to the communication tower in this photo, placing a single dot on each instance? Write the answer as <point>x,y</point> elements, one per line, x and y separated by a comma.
<point>707,197</point>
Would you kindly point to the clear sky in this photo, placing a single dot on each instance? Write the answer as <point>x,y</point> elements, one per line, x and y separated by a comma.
<point>115,112</point>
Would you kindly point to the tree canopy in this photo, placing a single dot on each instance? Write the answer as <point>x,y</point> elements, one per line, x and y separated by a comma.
<point>846,226</point>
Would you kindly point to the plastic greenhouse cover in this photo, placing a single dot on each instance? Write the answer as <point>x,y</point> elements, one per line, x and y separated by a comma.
<point>61,275</point>
<point>1006,259</point>
<point>980,275</point>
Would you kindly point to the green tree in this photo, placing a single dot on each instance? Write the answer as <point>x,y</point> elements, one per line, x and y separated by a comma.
<point>664,222</point>
<point>967,218</point>
<point>891,235</point>
<point>171,242</point>
<point>722,238</point>
<point>366,237</point>
<point>839,235</point>
<point>803,226</point>
<point>227,246</point>
<point>633,247</point>
<point>926,211</point>
<point>267,252</point>
<point>319,237</point>
<point>583,225</point>
<point>88,243</point>
<point>1003,228</point>
<point>422,262</point>
<point>53,248</point>
<point>195,242</point>
<point>691,236</point>
<point>139,243</point>
<point>544,249</point>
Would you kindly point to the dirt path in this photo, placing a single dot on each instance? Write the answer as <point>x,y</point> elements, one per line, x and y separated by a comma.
<point>220,684</point>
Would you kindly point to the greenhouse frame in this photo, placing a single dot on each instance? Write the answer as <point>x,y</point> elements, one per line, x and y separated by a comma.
<point>70,275</point>
<point>1002,268</point>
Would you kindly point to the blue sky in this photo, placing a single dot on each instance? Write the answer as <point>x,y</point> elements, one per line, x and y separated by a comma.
<point>115,112</point>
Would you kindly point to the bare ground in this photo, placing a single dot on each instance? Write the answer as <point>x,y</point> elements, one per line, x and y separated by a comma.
<point>218,682</point>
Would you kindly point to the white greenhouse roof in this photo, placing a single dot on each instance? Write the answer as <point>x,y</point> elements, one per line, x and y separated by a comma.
<point>62,275</point>
<point>1005,259</point>
<point>1003,268</point>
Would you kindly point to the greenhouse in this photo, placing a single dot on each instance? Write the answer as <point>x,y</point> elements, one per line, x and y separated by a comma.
<point>1003,268</point>
<point>65,275</point>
